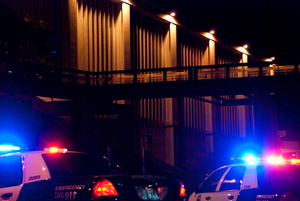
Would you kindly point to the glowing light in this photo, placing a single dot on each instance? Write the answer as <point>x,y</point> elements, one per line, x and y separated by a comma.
<point>295,161</point>
<point>127,1</point>
<point>275,160</point>
<point>55,149</point>
<point>209,36</point>
<point>173,14</point>
<point>251,159</point>
<point>104,188</point>
<point>212,32</point>
<point>242,49</point>
<point>9,148</point>
<point>269,59</point>
<point>182,190</point>
<point>169,18</point>
<point>245,46</point>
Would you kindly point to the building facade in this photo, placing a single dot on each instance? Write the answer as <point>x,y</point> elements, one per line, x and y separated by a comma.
<point>112,35</point>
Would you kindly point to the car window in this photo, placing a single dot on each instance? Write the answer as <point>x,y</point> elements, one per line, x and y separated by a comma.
<point>278,177</point>
<point>79,164</point>
<point>11,173</point>
<point>211,182</point>
<point>233,178</point>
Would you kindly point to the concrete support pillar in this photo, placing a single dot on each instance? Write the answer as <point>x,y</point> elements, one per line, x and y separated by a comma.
<point>123,49</point>
<point>212,52</point>
<point>72,17</point>
<point>173,45</point>
<point>169,132</point>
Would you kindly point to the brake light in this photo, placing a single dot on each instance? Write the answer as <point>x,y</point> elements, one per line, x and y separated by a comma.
<point>182,190</point>
<point>104,188</point>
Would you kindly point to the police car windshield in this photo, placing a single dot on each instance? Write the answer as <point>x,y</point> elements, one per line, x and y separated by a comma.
<point>79,164</point>
<point>278,177</point>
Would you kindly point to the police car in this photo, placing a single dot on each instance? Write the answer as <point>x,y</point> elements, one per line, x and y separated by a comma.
<point>274,179</point>
<point>59,174</point>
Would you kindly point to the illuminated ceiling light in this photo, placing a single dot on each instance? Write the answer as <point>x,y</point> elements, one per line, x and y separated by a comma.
<point>242,50</point>
<point>173,14</point>
<point>169,18</point>
<point>269,59</point>
<point>208,35</point>
<point>127,1</point>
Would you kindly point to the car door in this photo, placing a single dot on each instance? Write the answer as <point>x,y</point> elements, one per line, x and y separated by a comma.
<point>229,187</point>
<point>209,186</point>
<point>11,177</point>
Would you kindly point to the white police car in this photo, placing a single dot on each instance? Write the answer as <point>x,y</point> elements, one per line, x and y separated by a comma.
<point>58,174</point>
<point>276,179</point>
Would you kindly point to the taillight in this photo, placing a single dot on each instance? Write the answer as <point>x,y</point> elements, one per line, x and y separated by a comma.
<point>104,188</point>
<point>182,190</point>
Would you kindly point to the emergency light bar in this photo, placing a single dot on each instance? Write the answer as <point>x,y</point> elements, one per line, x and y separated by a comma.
<point>7,148</point>
<point>279,160</point>
<point>251,159</point>
<point>55,150</point>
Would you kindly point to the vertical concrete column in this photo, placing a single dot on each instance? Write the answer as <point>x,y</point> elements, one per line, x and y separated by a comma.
<point>169,132</point>
<point>209,53</point>
<point>212,52</point>
<point>208,106</point>
<point>210,59</point>
<point>169,118</point>
<point>73,16</point>
<point>244,59</point>
<point>173,44</point>
<point>122,38</point>
<point>127,36</point>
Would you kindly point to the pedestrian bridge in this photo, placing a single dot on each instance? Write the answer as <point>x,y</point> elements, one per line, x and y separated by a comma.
<point>241,78</point>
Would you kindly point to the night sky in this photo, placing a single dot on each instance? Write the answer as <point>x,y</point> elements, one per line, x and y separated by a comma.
<point>269,27</point>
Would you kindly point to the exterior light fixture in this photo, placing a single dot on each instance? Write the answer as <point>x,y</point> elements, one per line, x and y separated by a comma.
<point>173,14</point>
<point>269,59</point>
<point>245,46</point>
<point>127,2</point>
<point>212,32</point>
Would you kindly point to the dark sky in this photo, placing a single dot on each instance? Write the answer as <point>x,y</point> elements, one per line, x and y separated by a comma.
<point>269,27</point>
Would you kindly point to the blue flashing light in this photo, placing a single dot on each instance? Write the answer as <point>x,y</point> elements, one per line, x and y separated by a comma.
<point>251,159</point>
<point>8,148</point>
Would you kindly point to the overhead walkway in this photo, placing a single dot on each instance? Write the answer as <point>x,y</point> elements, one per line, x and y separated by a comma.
<point>227,79</point>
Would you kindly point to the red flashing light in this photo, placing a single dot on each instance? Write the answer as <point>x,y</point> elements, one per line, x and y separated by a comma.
<point>182,192</point>
<point>279,160</point>
<point>55,150</point>
<point>275,160</point>
<point>104,188</point>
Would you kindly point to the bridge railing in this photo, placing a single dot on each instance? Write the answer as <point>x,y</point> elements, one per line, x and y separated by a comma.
<point>173,74</point>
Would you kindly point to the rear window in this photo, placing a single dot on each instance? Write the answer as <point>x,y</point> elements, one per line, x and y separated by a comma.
<point>11,173</point>
<point>278,177</point>
<point>79,164</point>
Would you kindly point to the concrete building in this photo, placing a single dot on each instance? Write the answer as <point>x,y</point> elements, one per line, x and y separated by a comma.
<point>112,35</point>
